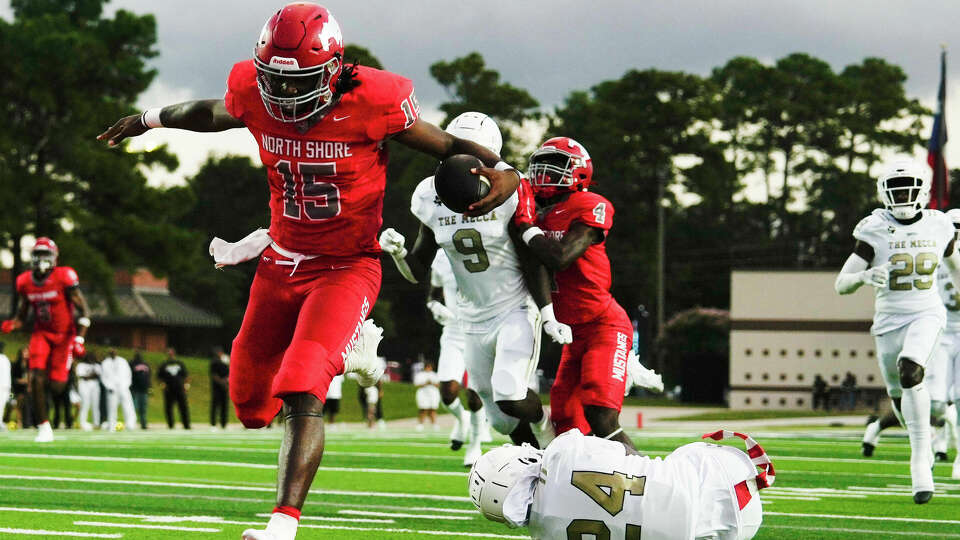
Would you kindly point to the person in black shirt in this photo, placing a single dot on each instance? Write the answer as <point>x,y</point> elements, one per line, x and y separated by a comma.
<point>821,393</point>
<point>175,380</point>
<point>140,386</point>
<point>219,373</point>
<point>19,377</point>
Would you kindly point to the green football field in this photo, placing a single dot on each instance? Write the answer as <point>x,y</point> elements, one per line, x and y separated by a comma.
<point>400,483</point>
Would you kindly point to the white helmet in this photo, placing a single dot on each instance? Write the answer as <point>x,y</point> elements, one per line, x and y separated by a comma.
<point>904,189</point>
<point>495,473</point>
<point>479,128</point>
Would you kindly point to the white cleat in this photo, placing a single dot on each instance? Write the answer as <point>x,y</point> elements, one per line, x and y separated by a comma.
<point>473,453</point>
<point>956,467</point>
<point>86,426</point>
<point>362,358</point>
<point>254,534</point>
<point>44,433</point>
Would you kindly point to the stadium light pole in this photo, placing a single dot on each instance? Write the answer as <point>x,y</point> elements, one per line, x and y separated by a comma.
<point>661,222</point>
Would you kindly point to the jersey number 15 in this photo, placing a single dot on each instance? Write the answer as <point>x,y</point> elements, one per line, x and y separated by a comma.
<point>304,194</point>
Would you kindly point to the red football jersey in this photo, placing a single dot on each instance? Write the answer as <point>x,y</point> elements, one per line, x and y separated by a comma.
<point>326,185</point>
<point>52,307</point>
<point>583,289</point>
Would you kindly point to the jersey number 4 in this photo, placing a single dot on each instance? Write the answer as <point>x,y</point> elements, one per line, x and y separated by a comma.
<point>304,194</point>
<point>607,490</point>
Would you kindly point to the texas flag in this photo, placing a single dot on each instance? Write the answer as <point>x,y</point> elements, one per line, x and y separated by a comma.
<point>940,189</point>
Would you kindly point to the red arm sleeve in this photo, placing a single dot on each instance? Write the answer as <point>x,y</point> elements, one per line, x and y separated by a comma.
<point>526,212</point>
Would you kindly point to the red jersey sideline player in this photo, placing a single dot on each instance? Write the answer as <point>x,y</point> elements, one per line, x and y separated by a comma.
<point>569,238</point>
<point>321,128</point>
<point>52,292</point>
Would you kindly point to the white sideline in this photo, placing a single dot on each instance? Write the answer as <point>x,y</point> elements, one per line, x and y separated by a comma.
<point>868,518</point>
<point>42,532</point>
<point>107,524</point>
<point>398,495</point>
<point>230,464</point>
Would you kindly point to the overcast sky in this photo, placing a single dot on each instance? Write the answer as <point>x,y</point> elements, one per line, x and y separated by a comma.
<point>551,47</point>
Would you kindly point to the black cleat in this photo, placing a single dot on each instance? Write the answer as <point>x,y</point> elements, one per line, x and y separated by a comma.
<point>871,419</point>
<point>455,444</point>
<point>940,456</point>
<point>922,497</point>
<point>867,449</point>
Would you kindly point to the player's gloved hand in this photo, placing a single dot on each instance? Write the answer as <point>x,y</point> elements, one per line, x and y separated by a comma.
<point>79,349</point>
<point>392,242</point>
<point>877,277</point>
<point>638,375</point>
<point>440,312</point>
<point>9,325</point>
<point>558,332</point>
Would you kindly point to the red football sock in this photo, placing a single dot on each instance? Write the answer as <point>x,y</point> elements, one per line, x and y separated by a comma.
<point>288,510</point>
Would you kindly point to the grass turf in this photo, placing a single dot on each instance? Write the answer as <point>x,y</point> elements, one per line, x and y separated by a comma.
<point>403,484</point>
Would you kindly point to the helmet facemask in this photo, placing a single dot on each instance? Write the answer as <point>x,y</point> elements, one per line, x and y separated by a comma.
<point>42,261</point>
<point>293,95</point>
<point>550,171</point>
<point>904,196</point>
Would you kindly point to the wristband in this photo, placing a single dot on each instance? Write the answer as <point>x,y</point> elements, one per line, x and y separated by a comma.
<point>83,321</point>
<point>151,118</point>
<point>546,313</point>
<point>78,339</point>
<point>504,166</point>
<point>530,234</point>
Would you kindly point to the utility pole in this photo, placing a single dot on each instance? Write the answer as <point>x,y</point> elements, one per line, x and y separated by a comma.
<point>661,283</point>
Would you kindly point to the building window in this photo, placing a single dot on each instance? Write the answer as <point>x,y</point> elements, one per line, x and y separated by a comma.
<point>746,401</point>
<point>799,402</point>
<point>783,352</point>
<point>748,352</point>
<point>836,353</point>
<point>783,376</point>
<point>869,378</point>
<point>799,352</point>
<point>853,353</point>
<point>799,376</point>
<point>765,352</point>
<point>835,378</point>
<point>765,401</point>
<point>766,376</point>
<point>747,376</point>
<point>870,353</point>
<point>783,401</point>
<point>818,353</point>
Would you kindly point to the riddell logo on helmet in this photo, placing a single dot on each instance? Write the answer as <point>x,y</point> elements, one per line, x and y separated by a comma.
<point>284,62</point>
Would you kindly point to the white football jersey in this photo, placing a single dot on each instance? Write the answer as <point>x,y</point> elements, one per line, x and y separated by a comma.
<point>480,252</point>
<point>914,252</point>
<point>441,275</point>
<point>590,486</point>
<point>950,295</point>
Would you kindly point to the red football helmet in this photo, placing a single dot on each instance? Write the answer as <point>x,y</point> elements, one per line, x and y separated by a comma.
<point>299,58</point>
<point>560,164</point>
<point>43,255</point>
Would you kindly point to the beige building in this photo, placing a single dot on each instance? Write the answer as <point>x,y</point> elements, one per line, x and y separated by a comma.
<point>788,326</point>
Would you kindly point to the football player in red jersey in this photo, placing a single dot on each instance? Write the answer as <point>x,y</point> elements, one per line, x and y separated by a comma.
<point>321,127</point>
<point>52,291</point>
<point>569,239</point>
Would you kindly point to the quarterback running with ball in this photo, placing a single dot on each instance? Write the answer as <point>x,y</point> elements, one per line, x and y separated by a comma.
<point>898,250</point>
<point>499,320</point>
<point>322,128</point>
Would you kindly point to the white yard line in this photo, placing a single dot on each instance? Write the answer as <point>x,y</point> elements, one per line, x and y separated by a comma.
<point>107,524</point>
<point>43,532</point>
<point>231,464</point>
<point>879,534</point>
<point>868,518</point>
<point>265,500</point>
<point>413,531</point>
<point>401,515</point>
<point>153,518</point>
<point>226,487</point>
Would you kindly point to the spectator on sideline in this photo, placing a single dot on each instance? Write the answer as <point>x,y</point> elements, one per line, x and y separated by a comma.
<point>88,384</point>
<point>140,386</point>
<point>428,395</point>
<point>219,390</point>
<point>371,403</point>
<point>117,378</point>
<point>849,391</point>
<point>176,381</point>
<point>19,377</point>
<point>5,383</point>
<point>821,393</point>
<point>331,406</point>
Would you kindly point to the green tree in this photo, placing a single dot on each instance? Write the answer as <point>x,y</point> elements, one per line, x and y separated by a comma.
<point>94,201</point>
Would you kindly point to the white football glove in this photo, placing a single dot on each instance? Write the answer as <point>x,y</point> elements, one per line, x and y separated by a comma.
<point>391,242</point>
<point>877,277</point>
<point>558,332</point>
<point>440,312</point>
<point>638,375</point>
